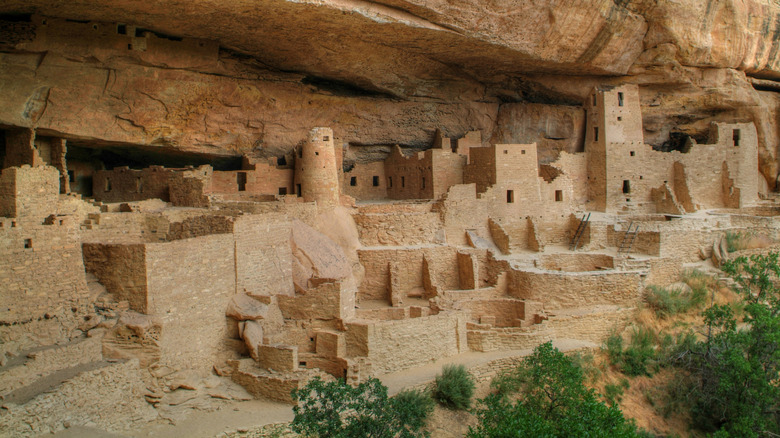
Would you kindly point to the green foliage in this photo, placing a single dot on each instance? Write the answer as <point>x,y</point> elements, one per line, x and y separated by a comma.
<point>338,410</point>
<point>555,403</point>
<point>736,241</point>
<point>667,302</point>
<point>454,388</point>
<point>734,388</point>
<point>635,359</point>
<point>613,393</point>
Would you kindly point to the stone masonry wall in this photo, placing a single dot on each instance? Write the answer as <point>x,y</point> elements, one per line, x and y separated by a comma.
<point>41,270</point>
<point>398,345</point>
<point>263,254</point>
<point>190,282</point>
<point>562,290</point>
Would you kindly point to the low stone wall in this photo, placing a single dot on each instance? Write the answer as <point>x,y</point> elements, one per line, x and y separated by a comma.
<point>402,344</point>
<point>576,262</point>
<point>562,290</point>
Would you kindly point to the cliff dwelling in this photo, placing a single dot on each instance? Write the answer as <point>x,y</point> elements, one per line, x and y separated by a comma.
<point>189,202</point>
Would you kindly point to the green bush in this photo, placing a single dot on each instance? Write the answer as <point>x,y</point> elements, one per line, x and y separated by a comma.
<point>554,402</point>
<point>736,241</point>
<point>338,410</point>
<point>412,409</point>
<point>454,387</point>
<point>613,393</point>
<point>667,302</point>
<point>634,359</point>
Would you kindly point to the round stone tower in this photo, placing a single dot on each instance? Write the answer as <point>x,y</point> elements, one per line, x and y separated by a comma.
<point>316,174</point>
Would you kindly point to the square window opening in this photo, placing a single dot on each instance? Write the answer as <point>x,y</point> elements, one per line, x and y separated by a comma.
<point>510,196</point>
<point>353,181</point>
<point>632,153</point>
<point>28,243</point>
<point>558,195</point>
<point>282,191</point>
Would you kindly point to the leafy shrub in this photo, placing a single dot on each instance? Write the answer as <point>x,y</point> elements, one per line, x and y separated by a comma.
<point>666,302</point>
<point>336,409</point>
<point>635,359</point>
<point>454,387</point>
<point>554,403</point>
<point>412,409</point>
<point>736,241</point>
<point>613,393</point>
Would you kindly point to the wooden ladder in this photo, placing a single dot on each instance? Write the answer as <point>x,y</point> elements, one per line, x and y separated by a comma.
<point>628,239</point>
<point>575,241</point>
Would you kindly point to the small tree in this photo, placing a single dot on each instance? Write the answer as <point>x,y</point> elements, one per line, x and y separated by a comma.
<point>554,402</point>
<point>736,385</point>
<point>338,410</point>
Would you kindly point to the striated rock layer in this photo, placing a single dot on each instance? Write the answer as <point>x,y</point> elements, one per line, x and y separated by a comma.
<point>226,78</point>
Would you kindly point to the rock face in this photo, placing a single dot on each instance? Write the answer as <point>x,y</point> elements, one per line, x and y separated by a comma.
<point>258,75</point>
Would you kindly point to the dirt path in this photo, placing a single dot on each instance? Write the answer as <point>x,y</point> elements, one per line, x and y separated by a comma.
<point>252,414</point>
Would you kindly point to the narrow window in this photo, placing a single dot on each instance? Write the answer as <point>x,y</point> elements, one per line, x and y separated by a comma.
<point>620,119</point>
<point>510,196</point>
<point>375,181</point>
<point>282,191</point>
<point>626,186</point>
<point>558,195</point>
<point>108,185</point>
<point>71,176</point>
<point>403,181</point>
<point>423,182</point>
<point>241,181</point>
<point>28,243</point>
<point>353,181</point>
<point>620,98</point>
<point>129,47</point>
<point>594,100</point>
<point>317,153</point>
<point>139,185</point>
<point>390,182</point>
<point>300,153</point>
<point>595,133</point>
<point>735,136</point>
<point>298,189</point>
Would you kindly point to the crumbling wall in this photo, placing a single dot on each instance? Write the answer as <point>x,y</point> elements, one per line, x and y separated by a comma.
<point>441,260</point>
